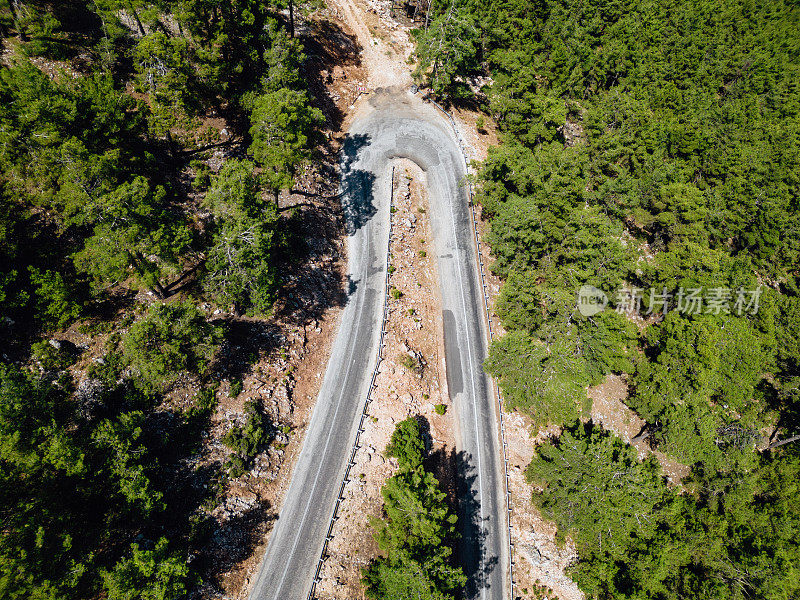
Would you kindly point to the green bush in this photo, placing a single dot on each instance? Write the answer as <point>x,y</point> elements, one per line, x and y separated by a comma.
<point>236,387</point>
<point>406,444</point>
<point>246,442</point>
<point>440,409</point>
<point>51,358</point>
<point>411,363</point>
<point>155,574</point>
<point>202,175</point>
<point>205,402</point>
<point>108,368</point>
<point>167,340</point>
<point>55,305</point>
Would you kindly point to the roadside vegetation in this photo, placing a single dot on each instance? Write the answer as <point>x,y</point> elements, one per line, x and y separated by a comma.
<point>115,223</point>
<point>417,532</point>
<point>647,145</point>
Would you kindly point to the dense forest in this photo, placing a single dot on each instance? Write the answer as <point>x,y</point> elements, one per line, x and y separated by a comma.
<point>650,150</point>
<point>112,222</point>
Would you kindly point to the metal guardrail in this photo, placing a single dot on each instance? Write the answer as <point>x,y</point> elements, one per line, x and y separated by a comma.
<point>356,444</point>
<point>491,338</point>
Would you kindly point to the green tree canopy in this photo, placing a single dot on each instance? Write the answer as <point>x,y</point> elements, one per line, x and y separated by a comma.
<point>407,445</point>
<point>416,535</point>
<point>282,127</point>
<point>136,237</point>
<point>240,265</point>
<point>156,574</point>
<point>733,536</point>
<point>596,490</point>
<point>169,339</point>
<point>448,52</point>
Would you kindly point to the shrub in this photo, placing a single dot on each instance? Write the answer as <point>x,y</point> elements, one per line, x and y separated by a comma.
<point>148,575</point>
<point>107,368</point>
<point>50,358</point>
<point>55,307</point>
<point>205,402</point>
<point>235,388</point>
<point>410,362</point>
<point>246,442</point>
<point>169,339</point>
<point>407,445</point>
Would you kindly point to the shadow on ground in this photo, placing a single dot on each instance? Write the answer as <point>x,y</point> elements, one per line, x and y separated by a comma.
<point>357,185</point>
<point>457,477</point>
<point>328,46</point>
<point>236,539</point>
<point>471,548</point>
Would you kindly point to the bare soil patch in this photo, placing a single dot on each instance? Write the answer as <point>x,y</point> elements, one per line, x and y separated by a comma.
<point>609,409</point>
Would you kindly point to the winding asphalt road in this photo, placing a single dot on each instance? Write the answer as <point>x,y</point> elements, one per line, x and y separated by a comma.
<point>395,124</point>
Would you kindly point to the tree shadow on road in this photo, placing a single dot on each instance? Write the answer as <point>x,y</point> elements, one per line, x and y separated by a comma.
<point>357,185</point>
<point>457,477</point>
<point>471,549</point>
